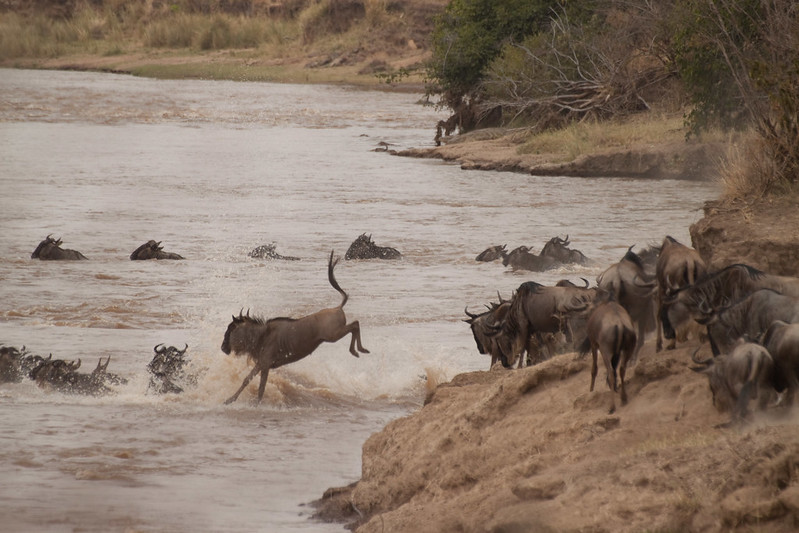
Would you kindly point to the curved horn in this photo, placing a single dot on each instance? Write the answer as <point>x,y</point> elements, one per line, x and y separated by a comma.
<point>501,301</point>
<point>75,366</point>
<point>466,310</point>
<point>156,350</point>
<point>184,348</point>
<point>643,285</point>
<point>586,282</point>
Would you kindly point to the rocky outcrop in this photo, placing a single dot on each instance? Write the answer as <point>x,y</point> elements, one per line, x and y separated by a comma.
<point>763,233</point>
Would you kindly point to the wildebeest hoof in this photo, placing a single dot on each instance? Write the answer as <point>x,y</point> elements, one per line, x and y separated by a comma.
<point>230,400</point>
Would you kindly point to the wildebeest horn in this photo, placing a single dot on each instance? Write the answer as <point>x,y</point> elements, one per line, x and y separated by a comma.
<point>466,310</point>
<point>586,282</point>
<point>156,350</point>
<point>181,352</point>
<point>501,301</point>
<point>75,366</point>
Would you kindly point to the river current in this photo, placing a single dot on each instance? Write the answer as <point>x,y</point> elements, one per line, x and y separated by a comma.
<point>213,169</point>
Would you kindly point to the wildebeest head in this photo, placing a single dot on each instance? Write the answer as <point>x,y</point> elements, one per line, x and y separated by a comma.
<point>364,248</point>
<point>558,249</point>
<point>492,253</point>
<point>47,242</point>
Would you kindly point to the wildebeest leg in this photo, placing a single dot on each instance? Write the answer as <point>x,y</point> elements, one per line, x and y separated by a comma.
<point>244,384</point>
<point>593,367</point>
<point>622,371</point>
<point>353,327</point>
<point>743,401</point>
<point>262,384</point>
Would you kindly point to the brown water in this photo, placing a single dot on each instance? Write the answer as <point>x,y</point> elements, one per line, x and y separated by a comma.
<point>214,169</point>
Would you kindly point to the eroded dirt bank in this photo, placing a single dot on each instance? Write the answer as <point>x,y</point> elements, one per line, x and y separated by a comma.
<point>497,150</point>
<point>534,450</point>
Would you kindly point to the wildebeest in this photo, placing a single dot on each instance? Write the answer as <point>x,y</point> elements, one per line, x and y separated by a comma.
<point>267,251</point>
<point>781,339</point>
<point>610,331</point>
<point>558,249</point>
<point>537,311</point>
<point>152,250</point>
<point>747,372</point>
<point>63,376</point>
<point>632,284</point>
<point>364,248</point>
<point>279,341</point>
<point>167,369</point>
<point>749,317</point>
<point>491,253</point>
<point>719,289</point>
<point>678,266</point>
<point>50,250</point>
<point>483,326</point>
<point>521,258</point>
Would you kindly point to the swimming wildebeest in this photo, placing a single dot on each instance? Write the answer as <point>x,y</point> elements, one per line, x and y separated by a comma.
<point>678,266</point>
<point>558,249</point>
<point>610,331</point>
<point>167,369</point>
<point>364,248</point>
<point>152,250</point>
<point>267,251</point>
<point>491,253</point>
<point>747,372</point>
<point>50,250</point>
<point>521,258</point>
<point>279,341</point>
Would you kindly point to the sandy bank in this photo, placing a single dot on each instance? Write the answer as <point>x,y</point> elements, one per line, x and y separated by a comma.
<point>499,150</point>
<point>534,450</point>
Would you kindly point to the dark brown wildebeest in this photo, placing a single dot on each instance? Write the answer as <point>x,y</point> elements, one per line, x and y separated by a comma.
<point>167,369</point>
<point>364,248</point>
<point>279,341</point>
<point>492,253</point>
<point>747,372</point>
<point>521,258</point>
<point>483,326</point>
<point>268,251</point>
<point>63,376</point>
<point>152,250</point>
<point>781,339</point>
<point>719,289</point>
<point>558,249</point>
<point>537,311</point>
<point>749,317</point>
<point>631,282</point>
<point>50,250</point>
<point>610,331</point>
<point>678,266</point>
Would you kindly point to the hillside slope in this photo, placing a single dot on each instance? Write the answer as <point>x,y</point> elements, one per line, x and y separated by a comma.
<point>534,450</point>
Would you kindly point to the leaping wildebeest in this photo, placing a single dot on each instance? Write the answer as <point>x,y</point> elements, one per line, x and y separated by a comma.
<point>279,341</point>
<point>153,250</point>
<point>610,331</point>
<point>50,250</point>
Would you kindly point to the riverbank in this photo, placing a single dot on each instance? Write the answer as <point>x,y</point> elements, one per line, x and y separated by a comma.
<point>534,450</point>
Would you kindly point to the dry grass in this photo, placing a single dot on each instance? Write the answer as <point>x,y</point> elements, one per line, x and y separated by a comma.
<point>749,173</point>
<point>594,137</point>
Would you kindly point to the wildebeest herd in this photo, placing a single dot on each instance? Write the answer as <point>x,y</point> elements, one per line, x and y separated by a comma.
<point>749,318</point>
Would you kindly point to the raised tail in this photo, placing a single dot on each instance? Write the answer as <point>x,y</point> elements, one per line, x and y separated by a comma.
<point>332,278</point>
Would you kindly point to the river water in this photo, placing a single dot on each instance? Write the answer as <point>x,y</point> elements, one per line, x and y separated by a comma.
<point>213,169</point>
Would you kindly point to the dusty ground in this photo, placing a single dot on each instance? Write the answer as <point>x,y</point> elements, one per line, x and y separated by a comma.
<point>533,450</point>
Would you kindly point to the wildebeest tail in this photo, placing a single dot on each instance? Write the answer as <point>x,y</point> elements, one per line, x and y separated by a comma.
<point>330,266</point>
<point>585,346</point>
